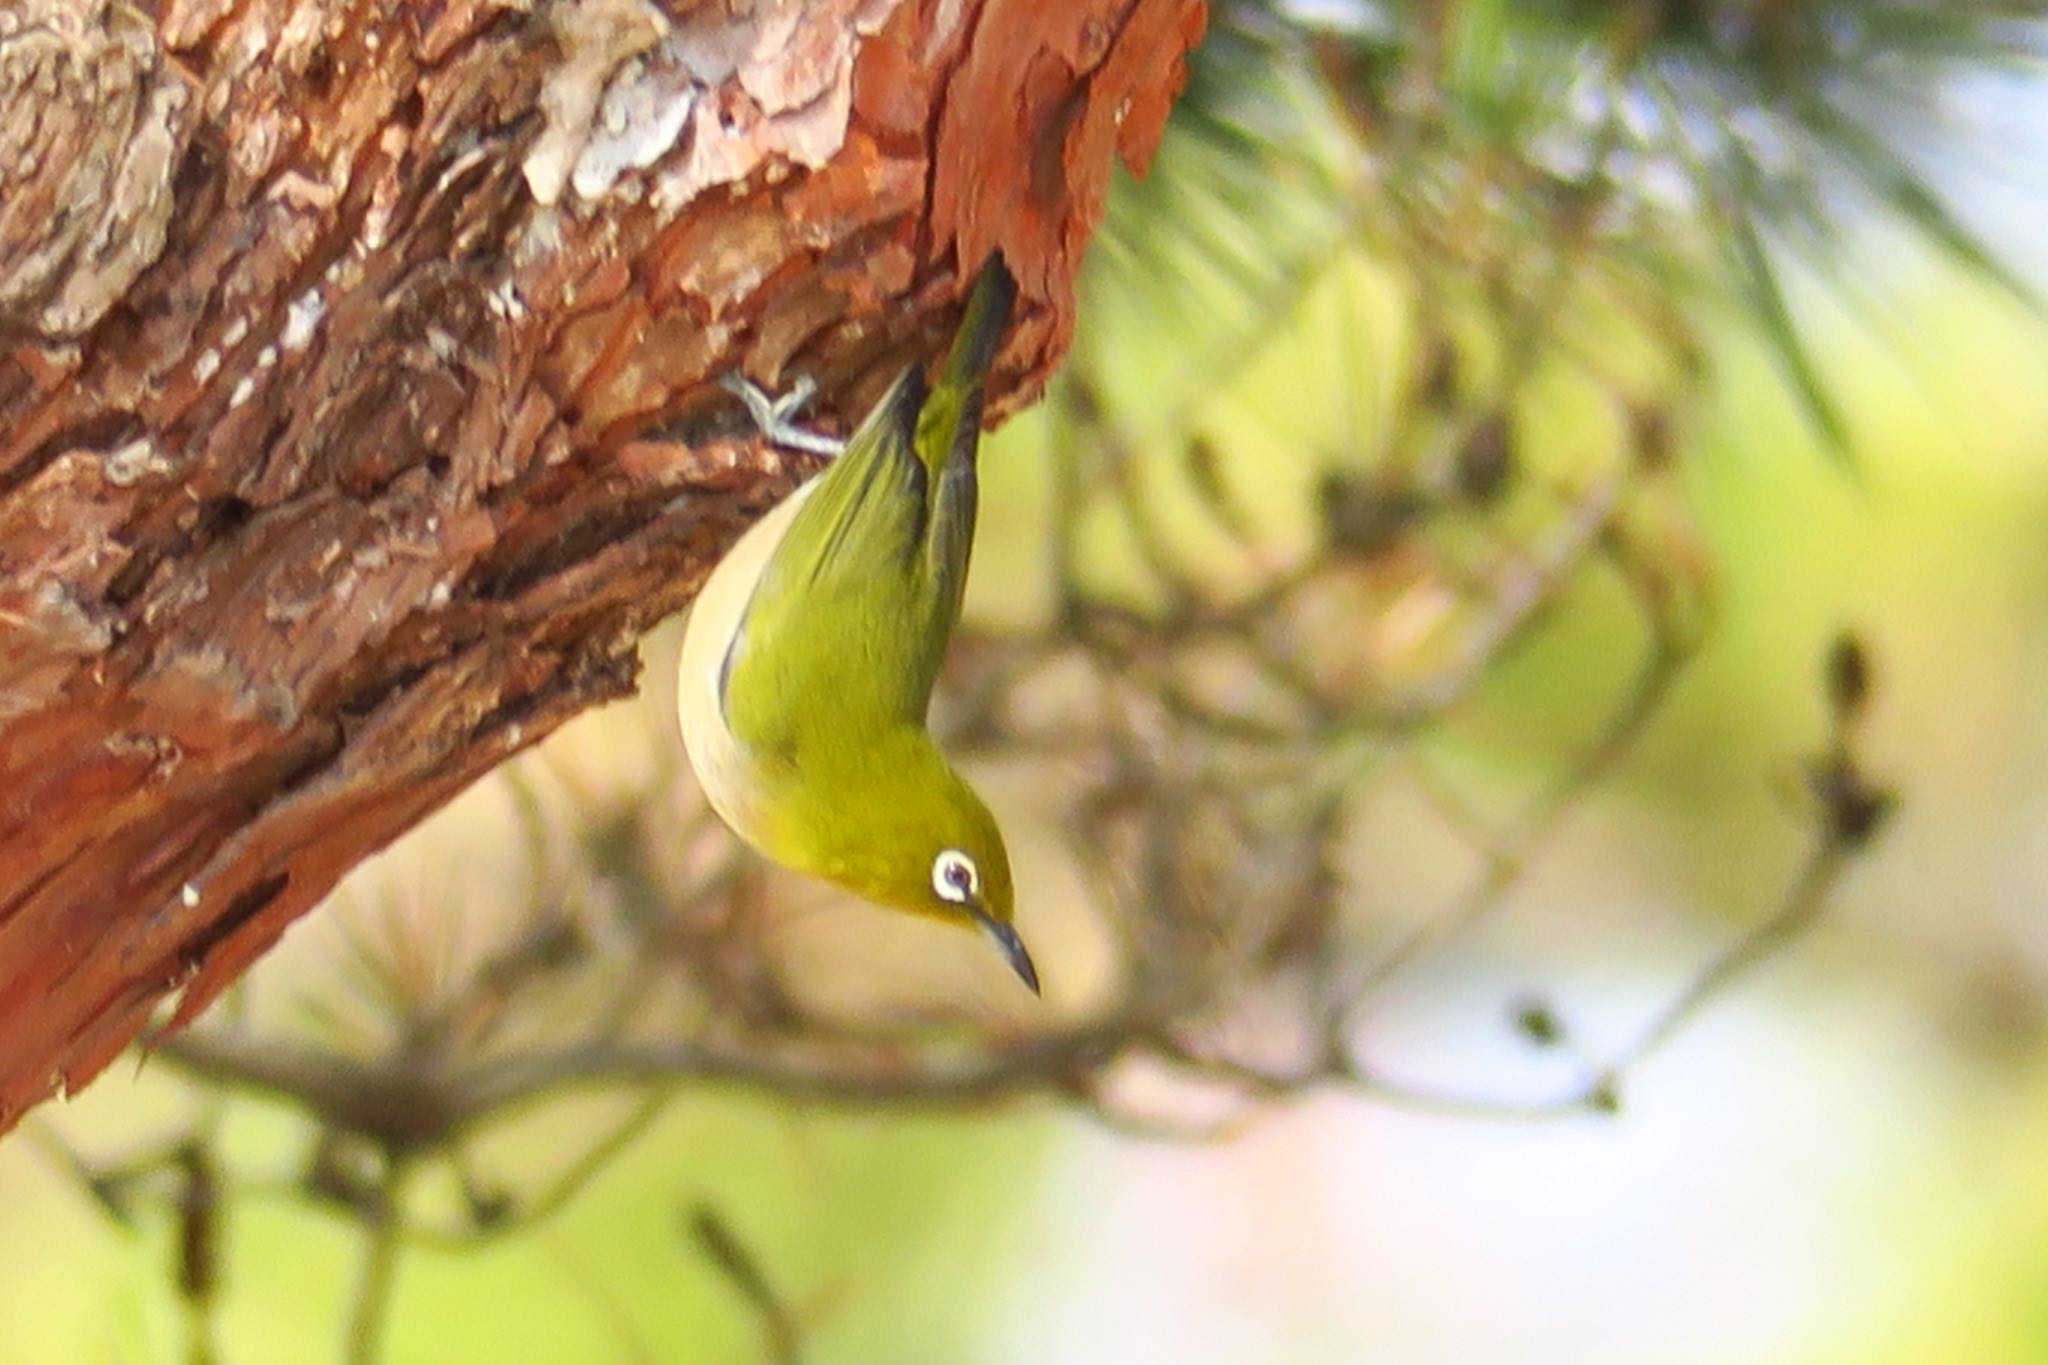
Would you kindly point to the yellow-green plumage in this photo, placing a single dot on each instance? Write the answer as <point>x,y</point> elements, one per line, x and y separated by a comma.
<point>810,657</point>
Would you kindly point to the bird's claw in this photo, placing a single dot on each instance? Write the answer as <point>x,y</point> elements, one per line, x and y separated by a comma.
<point>776,417</point>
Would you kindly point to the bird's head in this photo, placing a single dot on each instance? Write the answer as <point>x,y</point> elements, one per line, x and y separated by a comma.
<point>968,878</point>
<point>923,841</point>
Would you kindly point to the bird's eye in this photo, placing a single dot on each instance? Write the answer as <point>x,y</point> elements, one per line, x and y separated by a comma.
<point>955,877</point>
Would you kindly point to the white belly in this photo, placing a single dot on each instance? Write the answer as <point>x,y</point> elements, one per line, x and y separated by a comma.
<point>724,769</point>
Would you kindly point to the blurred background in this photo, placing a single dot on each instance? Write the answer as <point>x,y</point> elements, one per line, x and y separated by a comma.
<point>1511,662</point>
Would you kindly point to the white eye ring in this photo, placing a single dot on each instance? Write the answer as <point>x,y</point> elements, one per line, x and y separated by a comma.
<point>955,878</point>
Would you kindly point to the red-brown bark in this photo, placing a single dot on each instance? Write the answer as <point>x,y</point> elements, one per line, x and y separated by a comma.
<point>358,407</point>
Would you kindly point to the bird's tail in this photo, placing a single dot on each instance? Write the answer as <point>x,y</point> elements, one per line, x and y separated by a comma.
<point>982,326</point>
<point>950,419</point>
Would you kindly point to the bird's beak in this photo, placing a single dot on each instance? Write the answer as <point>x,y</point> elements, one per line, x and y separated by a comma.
<point>1012,947</point>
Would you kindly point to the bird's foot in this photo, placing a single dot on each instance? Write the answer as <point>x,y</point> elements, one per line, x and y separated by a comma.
<point>776,417</point>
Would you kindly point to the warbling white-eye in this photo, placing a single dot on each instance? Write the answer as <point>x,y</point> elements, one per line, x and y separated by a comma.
<point>810,654</point>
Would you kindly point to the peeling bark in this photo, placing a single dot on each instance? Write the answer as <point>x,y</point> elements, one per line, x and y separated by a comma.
<point>358,404</point>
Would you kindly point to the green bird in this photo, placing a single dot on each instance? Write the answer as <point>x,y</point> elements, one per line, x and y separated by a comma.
<point>809,657</point>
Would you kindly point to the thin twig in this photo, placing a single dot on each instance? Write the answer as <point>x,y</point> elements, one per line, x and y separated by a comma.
<point>724,1248</point>
<point>383,1240</point>
<point>1803,904</point>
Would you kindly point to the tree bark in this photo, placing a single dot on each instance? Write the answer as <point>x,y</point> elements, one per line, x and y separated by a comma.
<point>358,404</point>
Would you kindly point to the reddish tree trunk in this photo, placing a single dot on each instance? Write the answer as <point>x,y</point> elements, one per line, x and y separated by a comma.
<point>358,406</point>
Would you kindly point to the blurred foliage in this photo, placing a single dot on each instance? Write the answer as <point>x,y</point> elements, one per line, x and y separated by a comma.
<point>1353,551</point>
<point>1706,144</point>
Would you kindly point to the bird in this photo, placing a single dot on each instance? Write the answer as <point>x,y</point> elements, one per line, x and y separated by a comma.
<point>810,653</point>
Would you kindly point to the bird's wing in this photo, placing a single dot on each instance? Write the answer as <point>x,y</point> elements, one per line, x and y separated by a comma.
<point>837,597</point>
<point>948,440</point>
<point>869,511</point>
<point>948,548</point>
<point>859,599</point>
